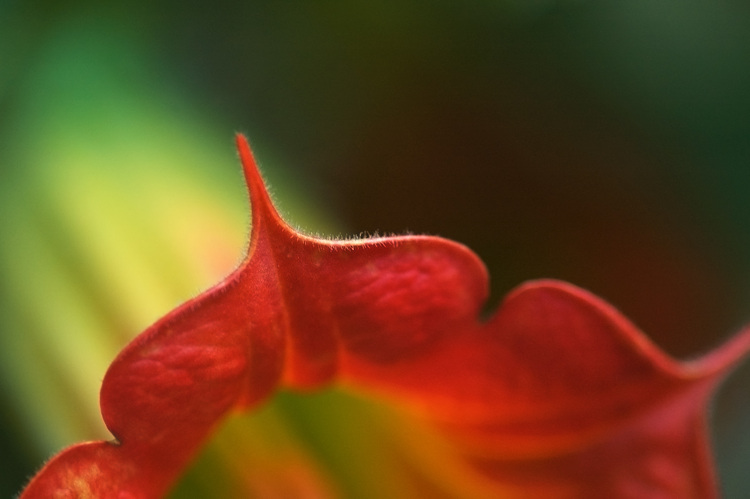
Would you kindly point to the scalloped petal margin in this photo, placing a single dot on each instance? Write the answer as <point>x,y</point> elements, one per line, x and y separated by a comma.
<point>557,395</point>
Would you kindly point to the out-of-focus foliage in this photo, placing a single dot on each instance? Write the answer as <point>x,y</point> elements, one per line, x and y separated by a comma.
<point>600,142</point>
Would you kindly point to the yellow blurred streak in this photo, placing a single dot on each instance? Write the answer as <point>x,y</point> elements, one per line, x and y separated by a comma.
<point>55,355</point>
<point>146,247</point>
<point>122,202</point>
<point>85,268</point>
<point>115,208</point>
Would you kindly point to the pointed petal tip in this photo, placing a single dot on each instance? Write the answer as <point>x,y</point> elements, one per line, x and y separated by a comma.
<point>727,357</point>
<point>249,166</point>
<point>240,139</point>
<point>260,201</point>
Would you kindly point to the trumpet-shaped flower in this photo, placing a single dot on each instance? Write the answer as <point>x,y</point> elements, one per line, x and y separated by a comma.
<point>555,395</point>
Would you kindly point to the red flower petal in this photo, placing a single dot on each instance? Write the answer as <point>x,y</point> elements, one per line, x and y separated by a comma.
<point>557,395</point>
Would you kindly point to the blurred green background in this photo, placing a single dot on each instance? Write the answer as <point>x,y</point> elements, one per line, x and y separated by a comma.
<point>602,142</point>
